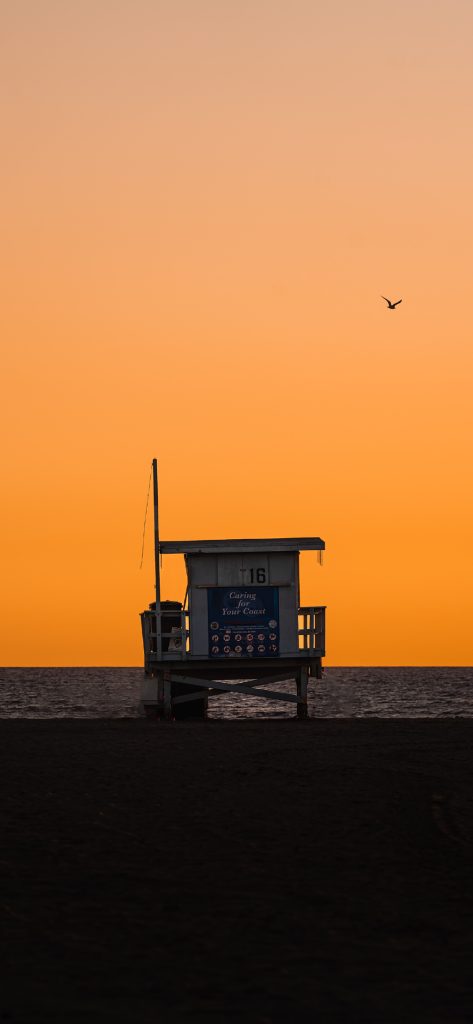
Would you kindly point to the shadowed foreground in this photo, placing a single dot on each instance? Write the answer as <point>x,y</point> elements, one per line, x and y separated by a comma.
<point>226,871</point>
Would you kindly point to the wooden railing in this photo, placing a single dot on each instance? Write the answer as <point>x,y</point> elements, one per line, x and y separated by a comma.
<point>161,643</point>
<point>313,629</point>
<point>155,632</point>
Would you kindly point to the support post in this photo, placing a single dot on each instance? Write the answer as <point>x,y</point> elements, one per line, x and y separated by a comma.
<point>167,695</point>
<point>302,680</point>
<point>156,561</point>
<point>160,689</point>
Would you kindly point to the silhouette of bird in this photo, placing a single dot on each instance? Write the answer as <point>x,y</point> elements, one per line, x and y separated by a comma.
<point>391,305</point>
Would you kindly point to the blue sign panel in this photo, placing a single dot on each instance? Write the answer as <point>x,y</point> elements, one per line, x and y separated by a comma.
<point>243,622</point>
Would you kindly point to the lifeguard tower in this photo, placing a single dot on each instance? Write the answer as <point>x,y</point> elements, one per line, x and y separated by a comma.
<point>240,620</point>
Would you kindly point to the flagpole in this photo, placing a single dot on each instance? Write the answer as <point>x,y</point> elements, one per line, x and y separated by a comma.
<point>156,560</point>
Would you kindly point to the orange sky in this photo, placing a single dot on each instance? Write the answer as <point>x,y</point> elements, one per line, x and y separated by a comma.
<point>202,201</point>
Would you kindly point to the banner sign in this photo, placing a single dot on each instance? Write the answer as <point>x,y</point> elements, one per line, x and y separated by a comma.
<point>243,622</point>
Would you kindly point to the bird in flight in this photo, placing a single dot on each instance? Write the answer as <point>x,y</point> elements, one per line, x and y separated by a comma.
<point>391,305</point>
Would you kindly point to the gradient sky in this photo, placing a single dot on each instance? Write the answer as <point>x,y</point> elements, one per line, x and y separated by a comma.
<point>202,201</point>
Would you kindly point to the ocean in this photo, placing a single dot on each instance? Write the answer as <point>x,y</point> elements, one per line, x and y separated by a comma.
<point>342,693</point>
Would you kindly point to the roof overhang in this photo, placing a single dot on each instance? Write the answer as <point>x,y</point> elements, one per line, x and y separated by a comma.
<point>233,547</point>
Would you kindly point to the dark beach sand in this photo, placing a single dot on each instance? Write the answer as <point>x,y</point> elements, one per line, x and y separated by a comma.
<point>237,871</point>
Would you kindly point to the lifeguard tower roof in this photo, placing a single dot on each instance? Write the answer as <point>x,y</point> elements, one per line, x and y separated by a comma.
<point>228,547</point>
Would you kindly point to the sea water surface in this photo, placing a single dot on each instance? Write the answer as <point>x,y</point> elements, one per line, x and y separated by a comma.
<point>342,693</point>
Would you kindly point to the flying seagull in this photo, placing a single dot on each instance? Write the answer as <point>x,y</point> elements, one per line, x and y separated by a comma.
<point>391,305</point>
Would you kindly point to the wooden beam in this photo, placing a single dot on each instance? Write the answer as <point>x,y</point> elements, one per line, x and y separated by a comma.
<point>279,678</point>
<point>201,694</point>
<point>288,698</point>
<point>229,688</point>
<point>218,667</point>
